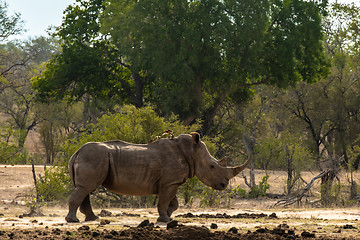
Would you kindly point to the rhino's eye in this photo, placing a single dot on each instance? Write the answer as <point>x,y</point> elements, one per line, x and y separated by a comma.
<point>212,166</point>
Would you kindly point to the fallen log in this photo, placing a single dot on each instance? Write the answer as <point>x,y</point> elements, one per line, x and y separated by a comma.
<point>297,197</point>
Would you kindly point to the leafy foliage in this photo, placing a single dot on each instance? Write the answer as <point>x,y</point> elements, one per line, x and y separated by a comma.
<point>88,64</point>
<point>58,121</point>
<point>54,185</point>
<point>260,190</point>
<point>184,57</point>
<point>217,48</point>
<point>342,29</point>
<point>10,25</point>
<point>80,69</point>
<point>21,61</point>
<point>209,197</point>
<point>11,154</point>
<point>238,192</point>
<point>128,124</point>
<point>190,190</point>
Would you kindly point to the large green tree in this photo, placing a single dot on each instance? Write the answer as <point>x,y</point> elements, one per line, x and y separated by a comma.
<point>89,65</point>
<point>202,52</point>
<point>186,57</point>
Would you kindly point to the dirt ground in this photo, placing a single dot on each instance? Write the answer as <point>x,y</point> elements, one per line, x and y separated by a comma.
<point>245,219</point>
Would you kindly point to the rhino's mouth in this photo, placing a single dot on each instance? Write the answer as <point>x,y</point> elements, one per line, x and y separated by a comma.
<point>222,185</point>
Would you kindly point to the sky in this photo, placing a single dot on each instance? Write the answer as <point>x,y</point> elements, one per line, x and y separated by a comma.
<point>38,15</point>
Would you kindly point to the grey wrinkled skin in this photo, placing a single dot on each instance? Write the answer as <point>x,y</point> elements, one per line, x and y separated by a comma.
<point>144,169</point>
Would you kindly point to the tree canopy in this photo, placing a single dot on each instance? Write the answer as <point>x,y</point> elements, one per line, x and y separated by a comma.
<point>10,25</point>
<point>186,57</point>
<point>86,63</point>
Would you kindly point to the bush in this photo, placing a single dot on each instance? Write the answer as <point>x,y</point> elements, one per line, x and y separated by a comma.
<point>11,154</point>
<point>260,190</point>
<point>209,197</point>
<point>238,192</point>
<point>7,153</point>
<point>130,124</point>
<point>55,185</point>
<point>190,190</point>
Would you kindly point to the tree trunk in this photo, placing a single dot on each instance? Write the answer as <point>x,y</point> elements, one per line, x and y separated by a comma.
<point>290,176</point>
<point>249,145</point>
<point>23,133</point>
<point>210,115</point>
<point>327,179</point>
<point>353,187</point>
<point>326,184</point>
<point>355,164</point>
<point>252,177</point>
<point>34,177</point>
<point>290,171</point>
<point>139,85</point>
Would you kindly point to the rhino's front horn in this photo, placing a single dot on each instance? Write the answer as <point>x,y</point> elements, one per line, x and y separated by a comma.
<point>233,171</point>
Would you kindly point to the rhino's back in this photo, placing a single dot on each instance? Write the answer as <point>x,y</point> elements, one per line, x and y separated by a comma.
<point>140,169</point>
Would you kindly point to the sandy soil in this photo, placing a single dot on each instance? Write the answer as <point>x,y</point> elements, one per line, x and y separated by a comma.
<point>16,182</point>
<point>246,219</point>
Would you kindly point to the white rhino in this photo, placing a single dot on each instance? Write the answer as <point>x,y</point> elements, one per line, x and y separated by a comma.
<point>144,169</point>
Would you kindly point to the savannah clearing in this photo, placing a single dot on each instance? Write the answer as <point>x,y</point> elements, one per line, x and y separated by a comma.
<point>244,219</point>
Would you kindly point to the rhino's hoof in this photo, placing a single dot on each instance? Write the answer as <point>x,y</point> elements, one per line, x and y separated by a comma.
<point>71,220</point>
<point>92,218</point>
<point>164,219</point>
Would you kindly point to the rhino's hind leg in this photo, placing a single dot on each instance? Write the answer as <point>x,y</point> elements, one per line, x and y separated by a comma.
<point>86,209</point>
<point>76,198</point>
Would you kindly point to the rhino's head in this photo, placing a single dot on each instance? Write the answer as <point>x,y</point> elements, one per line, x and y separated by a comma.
<point>210,171</point>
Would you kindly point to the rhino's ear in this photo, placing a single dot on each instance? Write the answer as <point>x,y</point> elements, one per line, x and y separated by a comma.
<point>195,137</point>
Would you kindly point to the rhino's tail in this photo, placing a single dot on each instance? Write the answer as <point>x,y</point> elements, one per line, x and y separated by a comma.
<point>71,166</point>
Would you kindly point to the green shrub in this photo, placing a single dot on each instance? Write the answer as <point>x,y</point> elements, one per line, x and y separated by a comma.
<point>11,154</point>
<point>130,124</point>
<point>189,190</point>
<point>33,203</point>
<point>260,190</point>
<point>209,197</point>
<point>7,153</point>
<point>238,192</point>
<point>54,185</point>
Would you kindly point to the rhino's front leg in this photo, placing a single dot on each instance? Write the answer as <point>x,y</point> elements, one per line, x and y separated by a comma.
<point>167,198</point>
<point>174,204</point>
